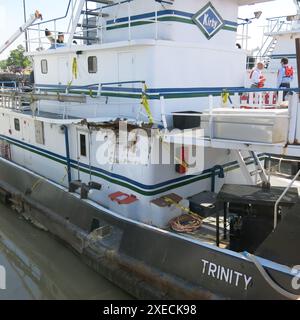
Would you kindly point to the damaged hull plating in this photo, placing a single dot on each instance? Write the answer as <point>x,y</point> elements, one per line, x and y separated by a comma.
<point>145,261</point>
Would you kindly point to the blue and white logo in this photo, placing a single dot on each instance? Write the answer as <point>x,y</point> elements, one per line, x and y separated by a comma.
<point>208,20</point>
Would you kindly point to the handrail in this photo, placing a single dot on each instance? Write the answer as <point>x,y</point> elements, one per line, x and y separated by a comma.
<point>99,26</point>
<point>281,197</point>
<point>110,5</point>
<point>3,85</point>
<point>276,18</point>
<point>56,19</point>
<point>122,82</point>
<point>243,90</point>
<point>195,90</point>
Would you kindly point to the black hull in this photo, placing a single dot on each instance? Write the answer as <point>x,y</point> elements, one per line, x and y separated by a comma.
<point>147,262</point>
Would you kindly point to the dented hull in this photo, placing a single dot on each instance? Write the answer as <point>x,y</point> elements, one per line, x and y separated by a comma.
<point>145,261</point>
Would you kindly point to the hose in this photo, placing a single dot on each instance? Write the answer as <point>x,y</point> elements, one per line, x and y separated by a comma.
<point>268,279</point>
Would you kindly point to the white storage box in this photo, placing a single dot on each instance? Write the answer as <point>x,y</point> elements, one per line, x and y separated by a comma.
<point>259,125</point>
<point>162,211</point>
<point>124,204</point>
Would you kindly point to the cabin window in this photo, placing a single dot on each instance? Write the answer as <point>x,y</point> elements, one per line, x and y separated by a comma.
<point>17,124</point>
<point>82,140</point>
<point>92,64</point>
<point>44,66</point>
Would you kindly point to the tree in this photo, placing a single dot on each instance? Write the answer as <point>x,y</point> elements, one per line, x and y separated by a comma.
<point>17,59</point>
<point>3,65</point>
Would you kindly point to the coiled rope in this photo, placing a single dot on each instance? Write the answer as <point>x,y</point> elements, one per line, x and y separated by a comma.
<point>187,223</point>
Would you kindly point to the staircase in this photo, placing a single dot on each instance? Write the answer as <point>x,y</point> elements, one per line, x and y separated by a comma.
<point>258,172</point>
<point>268,53</point>
<point>269,43</point>
<point>88,21</point>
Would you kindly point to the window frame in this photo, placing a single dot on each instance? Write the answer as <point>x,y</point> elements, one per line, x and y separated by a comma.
<point>96,64</point>
<point>42,66</point>
<point>83,154</point>
<point>17,124</point>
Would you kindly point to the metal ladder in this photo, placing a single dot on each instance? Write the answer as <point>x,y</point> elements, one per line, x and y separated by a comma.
<point>259,169</point>
<point>87,21</point>
<point>268,53</point>
<point>269,44</point>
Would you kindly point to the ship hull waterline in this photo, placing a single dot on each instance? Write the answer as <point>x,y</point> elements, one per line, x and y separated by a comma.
<point>147,262</point>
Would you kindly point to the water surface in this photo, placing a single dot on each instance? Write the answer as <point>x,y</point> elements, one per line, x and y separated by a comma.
<point>40,267</point>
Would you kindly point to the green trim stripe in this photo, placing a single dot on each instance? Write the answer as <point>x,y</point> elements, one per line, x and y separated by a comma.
<point>227,168</point>
<point>170,18</point>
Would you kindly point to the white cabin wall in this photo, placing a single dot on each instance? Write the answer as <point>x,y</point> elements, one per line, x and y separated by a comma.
<point>195,66</point>
<point>170,30</point>
<point>59,69</point>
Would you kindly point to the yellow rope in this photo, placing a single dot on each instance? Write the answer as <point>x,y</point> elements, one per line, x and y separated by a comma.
<point>75,68</point>
<point>187,210</point>
<point>146,105</point>
<point>225,96</point>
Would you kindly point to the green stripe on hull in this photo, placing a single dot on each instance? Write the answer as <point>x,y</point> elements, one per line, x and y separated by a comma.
<point>229,168</point>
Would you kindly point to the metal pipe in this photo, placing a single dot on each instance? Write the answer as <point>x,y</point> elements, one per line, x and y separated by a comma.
<point>56,19</point>
<point>68,153</point>
<point>221,175</point>
<point>298,58</point>
<point>25,19</point>
<point>281,197</point>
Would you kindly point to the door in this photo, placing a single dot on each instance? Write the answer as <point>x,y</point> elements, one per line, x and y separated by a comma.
<point>27,134</point>
<point>83,146</point>
<point>83,150</point>
<point>63,71</point>
<point>126,66</point>
<point>126,72</point>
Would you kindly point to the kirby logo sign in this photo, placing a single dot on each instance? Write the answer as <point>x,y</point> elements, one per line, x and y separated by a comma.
<point>208,20</point>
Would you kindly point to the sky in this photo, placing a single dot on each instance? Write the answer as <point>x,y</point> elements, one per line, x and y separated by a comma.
<point>11,16</point>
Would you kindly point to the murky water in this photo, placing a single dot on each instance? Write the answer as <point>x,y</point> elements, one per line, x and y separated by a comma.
<point>39,267</point>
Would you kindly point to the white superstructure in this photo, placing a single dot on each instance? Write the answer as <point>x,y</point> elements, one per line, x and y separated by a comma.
<point>174,56</point>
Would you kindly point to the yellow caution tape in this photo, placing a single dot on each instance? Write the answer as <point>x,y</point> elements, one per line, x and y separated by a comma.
<point>146,105</point>
<point>187,210</point>
<point>225,97</point>
<point>75,68</point>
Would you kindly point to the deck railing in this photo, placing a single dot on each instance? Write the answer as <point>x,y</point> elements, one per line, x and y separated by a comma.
<point>8,86</point>
<point>36,34</point>
<point>235,101</point>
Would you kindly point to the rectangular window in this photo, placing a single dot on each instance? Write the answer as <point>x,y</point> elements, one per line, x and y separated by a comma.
<point>92,64</point>
<point>17,124</point>
<point>44,66</point>
<point>83,150</point>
